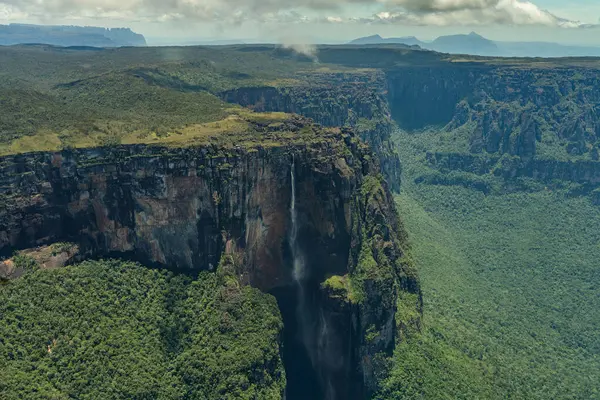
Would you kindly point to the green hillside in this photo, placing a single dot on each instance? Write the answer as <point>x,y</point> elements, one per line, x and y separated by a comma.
<point>510,284</point>
<point>116,330</point>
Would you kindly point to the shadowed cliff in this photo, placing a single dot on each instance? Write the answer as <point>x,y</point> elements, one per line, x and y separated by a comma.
<point>228,208</point>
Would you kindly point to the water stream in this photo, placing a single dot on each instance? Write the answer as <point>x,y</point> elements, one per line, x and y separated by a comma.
<point>304,315</point>
<point>305,376</point>
<point>308,376</point>
<point>299,268</point>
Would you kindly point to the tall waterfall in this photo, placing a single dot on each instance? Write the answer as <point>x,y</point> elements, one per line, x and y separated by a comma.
<point>304,312</point>
<point>299,267</point>
<point>312,329</point>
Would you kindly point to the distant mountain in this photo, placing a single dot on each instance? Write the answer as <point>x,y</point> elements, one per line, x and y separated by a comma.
<point>545,49</point>
<point>69,35</point>
<point>478,45</point>
<point>376,39</point>
<point>464,44</point>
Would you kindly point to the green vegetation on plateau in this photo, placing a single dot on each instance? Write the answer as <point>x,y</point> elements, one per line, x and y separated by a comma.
<point>116,330</point>
<point>54,98</point>
<point>510,286</point>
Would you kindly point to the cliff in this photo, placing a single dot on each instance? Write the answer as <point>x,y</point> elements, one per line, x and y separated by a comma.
<point>534,121</point>
<point>69,36</point>
<point>352,99</point>
<point>227,208</point>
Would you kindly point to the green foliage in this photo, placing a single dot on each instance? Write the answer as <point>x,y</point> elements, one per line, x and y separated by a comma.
<point>371,187</point>
<point>27,263</point>
<point>371,334</point>
<point>82,99</point>
<point>373,265</point>
<point>61,247</point>
<point>116,330</point>
<point>365,269</point>
<point>341,287</point>
<point>510,286</point>
<point>365,125</point>
<point>336,282</point>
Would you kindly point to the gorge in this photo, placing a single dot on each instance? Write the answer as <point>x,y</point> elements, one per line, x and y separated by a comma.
<point>187,209</point>
<point>267,200</point>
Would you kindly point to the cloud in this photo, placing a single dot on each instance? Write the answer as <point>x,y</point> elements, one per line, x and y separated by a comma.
<point>445,5</point>
<point>163,10</point>
<point>309,50</point>
<point>472,12</point>
<point>407,12</point>
<point>8,12</point>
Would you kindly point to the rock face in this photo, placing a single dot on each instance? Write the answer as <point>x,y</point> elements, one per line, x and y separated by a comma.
<point>185,208</point>
<point>582,172</point>
<point>420,97</point>
<point>45,257</point>
<point>335,100</point>
<point>510,108</point>
<point>533,122</point>
<point>69,35</point>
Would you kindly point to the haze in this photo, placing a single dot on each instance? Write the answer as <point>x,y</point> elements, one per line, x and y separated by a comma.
<point>312,21</point>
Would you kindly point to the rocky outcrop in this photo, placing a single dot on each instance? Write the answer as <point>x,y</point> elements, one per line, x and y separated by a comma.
<point>510,121</point>
<point>511,167</point>
<point>335,100</point>
<point>185,208</point>
<point>507,109</point>
<point>53,256</point>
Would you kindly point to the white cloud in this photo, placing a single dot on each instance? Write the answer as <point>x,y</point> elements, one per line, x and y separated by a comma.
<point>407,12</point>
<point>10,13</point>
<point>472,12</point>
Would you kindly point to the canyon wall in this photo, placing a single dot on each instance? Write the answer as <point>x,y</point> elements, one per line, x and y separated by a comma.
<point>195,208</point>
<point>511,121</point>
<point>355,100</point>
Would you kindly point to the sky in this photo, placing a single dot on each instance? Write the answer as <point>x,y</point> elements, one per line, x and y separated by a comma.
<point>321,21</point>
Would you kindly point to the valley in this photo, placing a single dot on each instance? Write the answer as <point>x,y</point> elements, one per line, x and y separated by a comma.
<point>373,222</point>
<point>510,291</point>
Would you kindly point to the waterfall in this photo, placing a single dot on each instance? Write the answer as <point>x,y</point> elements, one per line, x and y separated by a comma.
<point>299,269</point>
<point>303,314</point>
<point>312,329</point>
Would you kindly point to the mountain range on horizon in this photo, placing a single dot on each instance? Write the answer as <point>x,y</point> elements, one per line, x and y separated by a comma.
<point>472,43</point>
<point>475,44</point>
<point>67,35</point>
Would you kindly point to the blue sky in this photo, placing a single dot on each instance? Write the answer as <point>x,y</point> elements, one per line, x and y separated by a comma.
<point>565,21</point>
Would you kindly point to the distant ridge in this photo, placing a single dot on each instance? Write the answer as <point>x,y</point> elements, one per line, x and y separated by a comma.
<point>376,39</point>
<point>476,44</point>
<point>64,35</point>
<point>465,44</point>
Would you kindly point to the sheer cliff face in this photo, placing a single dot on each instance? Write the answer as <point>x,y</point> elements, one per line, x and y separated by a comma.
<point>523,112</point>
<point>355,100</point>
<point>509,109</point>
<point>176,208</point>
<point>515,121</point>
<point>187,208</point>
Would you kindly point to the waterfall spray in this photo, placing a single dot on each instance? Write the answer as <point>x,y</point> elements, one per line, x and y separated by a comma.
<point>312,327</point>
<point>296,254</point>
<point>303,310</point>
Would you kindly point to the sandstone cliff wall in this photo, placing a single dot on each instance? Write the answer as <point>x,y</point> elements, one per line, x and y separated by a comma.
<point>337,100</point>
<point>187,208</point>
